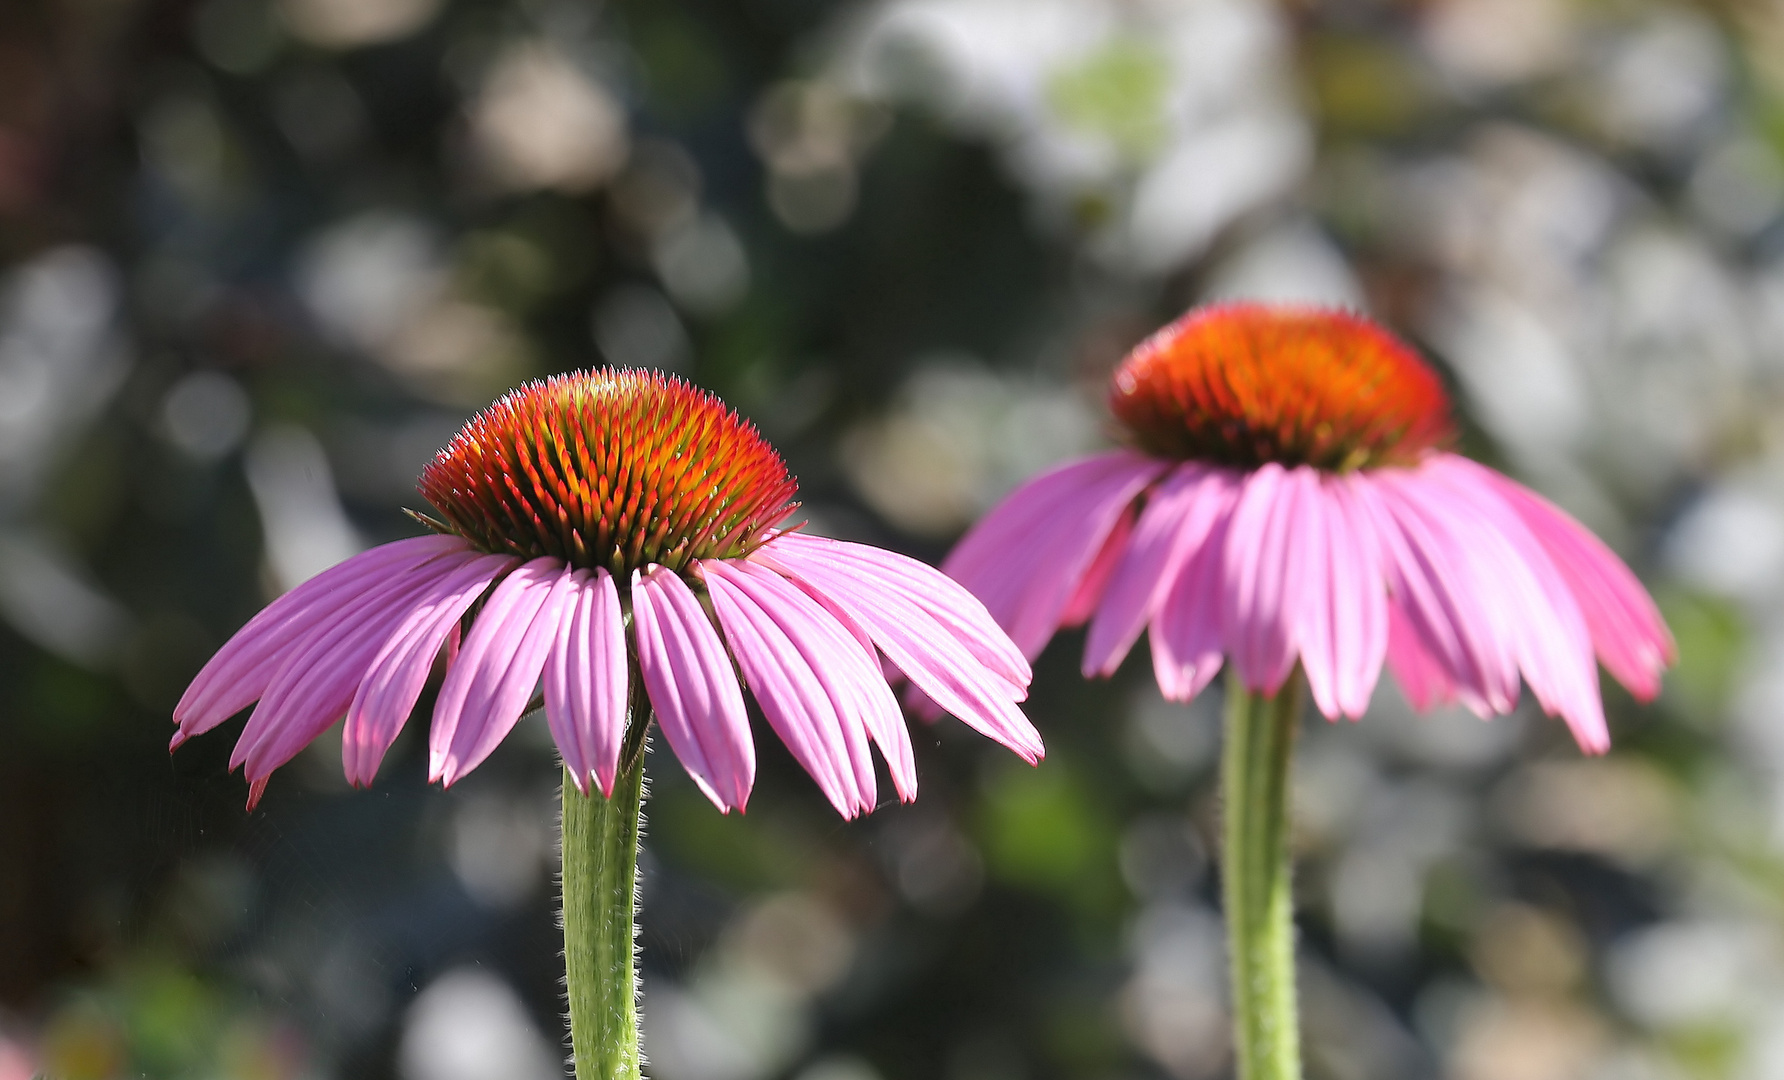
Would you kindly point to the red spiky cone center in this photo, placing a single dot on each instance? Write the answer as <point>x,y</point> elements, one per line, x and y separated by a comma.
<point>1245,384</point>
<point>614,469</point>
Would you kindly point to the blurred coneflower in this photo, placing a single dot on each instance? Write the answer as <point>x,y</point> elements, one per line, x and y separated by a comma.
<point>603,539</point>
<point>1287,506</point>
<point>1288,495</point>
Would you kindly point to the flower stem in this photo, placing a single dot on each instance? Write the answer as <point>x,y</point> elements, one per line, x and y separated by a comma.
<point>600,902</point>
<point>1260,738</point>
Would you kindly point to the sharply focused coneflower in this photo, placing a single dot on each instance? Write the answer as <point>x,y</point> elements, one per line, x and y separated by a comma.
<point>1287,502</point>
<point>612,545</point>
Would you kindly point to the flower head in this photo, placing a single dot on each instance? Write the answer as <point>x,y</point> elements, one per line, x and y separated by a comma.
<point>620,471</point>
<point>599,529</point>
<point>1288,499</point>
<point>1240,386</point>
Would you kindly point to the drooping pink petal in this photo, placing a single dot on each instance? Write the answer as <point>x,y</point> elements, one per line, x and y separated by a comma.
<point>239,672</point>
<point>1422,677</point>
<point>1631,639</point>
<point>943,598</point>
<point>861,675</point>
<point>1089,593</point>
<point>850,664</point>
<point>917,642</point>
<point>796,659</point>
<point>1178,517</point>
<point>878,707</point>
<point>1342,626</point>
<point>487,689</point>
<point>693,687</point>
<point>1307,590</point>
<point>1026,558</point>
<point>1482,598</point>
<point>936,593</point>
<point>585,682</point>
<point>1187,632</point>
<point>1553,644</point>
<point>1262,573</point>
<point>317,680</point>
<point>1445,588</point>
<point>386,696</point>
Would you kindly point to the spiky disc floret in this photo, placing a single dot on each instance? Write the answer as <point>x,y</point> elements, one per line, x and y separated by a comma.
<point>1245,384</point>
<point>611,469</point>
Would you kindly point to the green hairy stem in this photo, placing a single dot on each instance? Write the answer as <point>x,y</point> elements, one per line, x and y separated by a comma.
<point>1260,737</point>
<point>600,903</point>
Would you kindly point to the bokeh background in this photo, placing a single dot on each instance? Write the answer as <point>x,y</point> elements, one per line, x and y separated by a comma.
<point>261,257</point>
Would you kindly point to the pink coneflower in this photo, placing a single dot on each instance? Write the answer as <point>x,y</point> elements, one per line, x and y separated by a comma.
<point>600,525</point>
<point>1287,496</point>
<point>1287,504</point>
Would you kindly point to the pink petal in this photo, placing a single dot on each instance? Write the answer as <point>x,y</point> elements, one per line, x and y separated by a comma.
<point>852,667</point>
<point>939,595</point>
<point>1089,592</point>
<point>1026,558</point>
<point>917,642</point>
<point>943,598</point>
<point>1187,634</point>
<point>1554,646</point>
<point>241,670</point>
<point>586,682</point>
<point>393,681</point>
<point>487,689</point>
<point>794,657</point>
<point>1308,587</point>
<point>1178,518</point>
<point>1446,588</point>
<point>1263,573</point>
<point>1421,676</point>
<point>878,708</point>
<point>1342,627</point>
<point>317,680</point>
<point>1506,597</point>
<point>693,687</point>
<point>1631,638</point>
